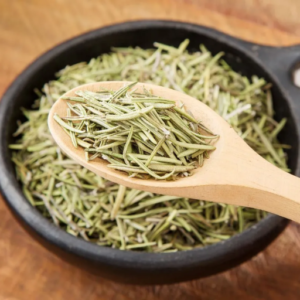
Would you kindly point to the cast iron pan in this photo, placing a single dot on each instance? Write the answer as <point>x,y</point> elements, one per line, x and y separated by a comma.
<point>274,64</point>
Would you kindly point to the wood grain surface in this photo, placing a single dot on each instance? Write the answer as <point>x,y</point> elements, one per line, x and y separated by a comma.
<point>27,29</point>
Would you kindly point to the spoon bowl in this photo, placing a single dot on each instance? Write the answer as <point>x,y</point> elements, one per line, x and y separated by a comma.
<point>234,173</point>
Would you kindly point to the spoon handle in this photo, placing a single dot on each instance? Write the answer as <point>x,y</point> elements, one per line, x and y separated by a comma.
<point>254,183</point>
<point>275,191</point>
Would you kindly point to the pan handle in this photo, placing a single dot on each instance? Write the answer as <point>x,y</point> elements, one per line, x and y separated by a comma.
<point>282,63</point>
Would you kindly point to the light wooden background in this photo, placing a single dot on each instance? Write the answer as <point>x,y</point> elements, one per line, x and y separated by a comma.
<point>27,29</point>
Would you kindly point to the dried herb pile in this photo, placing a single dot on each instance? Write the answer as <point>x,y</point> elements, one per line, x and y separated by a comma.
<point>99,211</point>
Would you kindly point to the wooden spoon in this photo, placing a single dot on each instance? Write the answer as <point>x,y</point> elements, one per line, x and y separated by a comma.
<point>233,174</point>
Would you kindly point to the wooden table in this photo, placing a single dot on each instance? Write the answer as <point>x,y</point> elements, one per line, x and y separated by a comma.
<point>28,28</point>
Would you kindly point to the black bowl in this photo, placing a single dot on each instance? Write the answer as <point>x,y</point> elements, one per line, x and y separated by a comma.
<point>127,266</point>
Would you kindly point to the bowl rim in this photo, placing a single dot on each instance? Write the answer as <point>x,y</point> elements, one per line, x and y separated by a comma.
<point>10,188</point>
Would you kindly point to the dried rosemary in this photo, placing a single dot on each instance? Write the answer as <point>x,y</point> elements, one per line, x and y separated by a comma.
<point>138,133</point>
<point>99,211</point>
